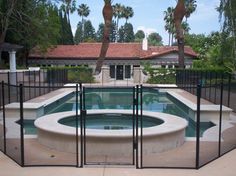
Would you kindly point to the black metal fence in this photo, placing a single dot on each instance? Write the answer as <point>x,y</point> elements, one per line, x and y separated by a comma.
<point>211,81</point>
<point>36,83</point>
<point>206,138</point>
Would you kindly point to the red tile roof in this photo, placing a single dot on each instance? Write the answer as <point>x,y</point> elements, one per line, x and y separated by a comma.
<point>155,51</point>
<point>115,50</point>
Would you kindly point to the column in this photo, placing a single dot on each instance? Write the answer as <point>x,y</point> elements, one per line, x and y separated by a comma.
<point>12,56</point>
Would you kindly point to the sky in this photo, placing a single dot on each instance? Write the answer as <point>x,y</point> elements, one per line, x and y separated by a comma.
<point>149,15</point>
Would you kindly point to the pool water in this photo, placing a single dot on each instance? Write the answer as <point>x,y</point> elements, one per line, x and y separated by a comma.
<point>122,98</point>
<point>110,122</point>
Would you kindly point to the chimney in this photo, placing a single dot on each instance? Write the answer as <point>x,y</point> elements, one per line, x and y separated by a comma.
<point>145,43</point>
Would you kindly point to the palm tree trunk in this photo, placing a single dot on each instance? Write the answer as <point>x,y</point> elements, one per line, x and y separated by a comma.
<point>107,15</point>
<point>117,29</point>
<point>172,39</point>
<point>82,28</point>
<point>169,39</point>
<point>179,14</point>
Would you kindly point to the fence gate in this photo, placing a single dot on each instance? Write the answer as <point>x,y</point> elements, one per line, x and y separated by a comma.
<point>109,126</point>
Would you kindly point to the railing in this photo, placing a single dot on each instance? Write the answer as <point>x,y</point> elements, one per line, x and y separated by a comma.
<point>36,83</point>
<point>211,82</point>
<point>196,151</point>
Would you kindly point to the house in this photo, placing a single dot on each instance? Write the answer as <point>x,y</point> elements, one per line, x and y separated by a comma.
<point>121,59</point>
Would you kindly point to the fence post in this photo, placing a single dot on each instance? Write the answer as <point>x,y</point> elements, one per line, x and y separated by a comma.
<point>81,126</point>
<point>220,120</point>
<point>229,89</point>
<point>17,99</point>
<point>29,85</point>
<point>22,126</point>
<point>4,117</point>
<point>137,115</point>
<point>77,125</point>
<point>141,126</point>
<point>134,144</point>
<point>216,81</point>
<point>199,90</point>
<point>9,89</point>
<point>210,86</point>
<point>39,82</point>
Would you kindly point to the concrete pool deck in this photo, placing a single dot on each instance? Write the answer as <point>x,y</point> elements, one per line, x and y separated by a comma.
<point>222,166</point>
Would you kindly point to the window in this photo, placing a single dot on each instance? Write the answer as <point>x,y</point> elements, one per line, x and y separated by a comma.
<point>127,71</point>
<point>112,71</point>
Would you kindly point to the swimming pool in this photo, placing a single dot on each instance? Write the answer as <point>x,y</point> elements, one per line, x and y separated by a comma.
<point>122,98</point>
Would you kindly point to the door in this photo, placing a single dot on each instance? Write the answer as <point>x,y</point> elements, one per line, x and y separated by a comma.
<point>119,72</point>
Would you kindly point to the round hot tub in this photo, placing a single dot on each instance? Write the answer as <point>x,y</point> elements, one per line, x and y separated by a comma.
<point>110,121</point>
<point>110,132</point>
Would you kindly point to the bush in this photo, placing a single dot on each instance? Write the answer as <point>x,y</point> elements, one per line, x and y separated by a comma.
<point>80,74</point>
<point>161,76</point>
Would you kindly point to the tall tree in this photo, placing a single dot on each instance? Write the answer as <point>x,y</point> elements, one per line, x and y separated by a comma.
<point>154,39</point>
<point>186,27</point>
<point>79,33</point>
<point>68,6</point>
<point>227,10</point>
<point>179,13</point>
<point>128,13</point>
<point>66,32</point>
<point>6,13</point>
<point>118,13</point>
<point>30,23</point>
<point>169,20</point>
<point>107,15</point>
<point>89,32</point>
<point>139,36</point>
<point>100,32</point>
<point>83,11</point>
<point>190,6</point>
<point>126,33</point>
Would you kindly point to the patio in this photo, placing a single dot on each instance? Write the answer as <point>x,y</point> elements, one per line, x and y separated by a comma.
<point>222,166</point>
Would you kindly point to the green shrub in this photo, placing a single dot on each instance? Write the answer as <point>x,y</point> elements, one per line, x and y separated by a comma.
<point>161,76</point>
<point>80,74</point>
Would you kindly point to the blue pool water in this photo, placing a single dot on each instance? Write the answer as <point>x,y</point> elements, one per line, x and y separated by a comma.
<point>110,121</point>
<point>122,98</point>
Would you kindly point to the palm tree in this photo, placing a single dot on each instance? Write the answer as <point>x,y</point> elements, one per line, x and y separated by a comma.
<point>190,6</point>
<point>118,10</point>
<point>107,15</point>
<point>186,27</point>
<point>227,10</point>
<point>169,26</point>
<point>68,6</point>
<point>128,13</point>
<point>83,11</point>
<point>179,13</point>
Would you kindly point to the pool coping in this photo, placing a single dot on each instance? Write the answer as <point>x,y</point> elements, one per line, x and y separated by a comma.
<point>171,124</point>
<point>193,106</point>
